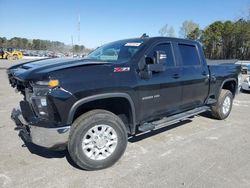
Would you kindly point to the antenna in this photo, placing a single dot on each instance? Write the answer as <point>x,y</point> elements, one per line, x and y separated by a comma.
<point>144,35</point>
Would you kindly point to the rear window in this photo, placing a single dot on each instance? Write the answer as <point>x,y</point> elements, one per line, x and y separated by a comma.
<point>189,55</point>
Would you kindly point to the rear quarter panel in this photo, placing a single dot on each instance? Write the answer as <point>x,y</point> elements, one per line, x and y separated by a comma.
<point>221,74</point>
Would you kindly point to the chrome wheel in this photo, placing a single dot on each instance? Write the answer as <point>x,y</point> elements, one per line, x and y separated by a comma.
<point>226,105</point>
<point>99,142</point>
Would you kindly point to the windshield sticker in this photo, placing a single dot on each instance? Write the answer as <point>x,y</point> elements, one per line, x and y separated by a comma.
<point>133,44</point>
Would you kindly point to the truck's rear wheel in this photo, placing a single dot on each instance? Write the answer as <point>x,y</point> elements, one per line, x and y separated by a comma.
<point>97,140</point>
<point>222,108</point>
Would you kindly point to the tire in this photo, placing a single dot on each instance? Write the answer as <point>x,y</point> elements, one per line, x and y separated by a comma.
<point>223,107</point>
<point>15,57</point>
<point>9,57</point>
<point>86,128</point>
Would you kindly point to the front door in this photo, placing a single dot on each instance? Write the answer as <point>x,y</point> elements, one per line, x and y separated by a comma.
<point>161,94</point>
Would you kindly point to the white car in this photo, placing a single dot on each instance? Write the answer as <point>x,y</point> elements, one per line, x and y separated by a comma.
<point>245,86</point>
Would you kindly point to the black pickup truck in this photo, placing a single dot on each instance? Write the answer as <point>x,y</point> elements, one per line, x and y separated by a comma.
<point>91,105</point>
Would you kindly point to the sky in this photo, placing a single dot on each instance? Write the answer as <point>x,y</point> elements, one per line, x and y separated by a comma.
<point>103,21</point>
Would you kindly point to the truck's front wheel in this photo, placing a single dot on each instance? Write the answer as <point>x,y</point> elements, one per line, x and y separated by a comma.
<point>222,108</point>
<point>97,140</point>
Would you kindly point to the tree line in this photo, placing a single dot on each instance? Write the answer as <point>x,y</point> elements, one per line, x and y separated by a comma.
<point>220,40</point>
<point>37,44</point>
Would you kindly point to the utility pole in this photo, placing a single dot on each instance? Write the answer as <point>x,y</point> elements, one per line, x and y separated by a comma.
<point>72,43</point>
<point>79,28</point>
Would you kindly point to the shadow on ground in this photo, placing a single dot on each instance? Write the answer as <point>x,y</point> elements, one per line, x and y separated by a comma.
<point>47,153</point>
<point>146,135</point>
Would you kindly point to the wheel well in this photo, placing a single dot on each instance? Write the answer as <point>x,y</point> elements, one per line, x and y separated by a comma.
<point>231,86</point>
<point>119,106</point>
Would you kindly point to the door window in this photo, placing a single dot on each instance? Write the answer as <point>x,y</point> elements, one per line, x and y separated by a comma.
<point>189,55</point>
<point>167,49</point>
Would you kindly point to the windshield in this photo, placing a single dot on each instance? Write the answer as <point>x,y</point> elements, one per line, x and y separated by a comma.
<point>119,51</point>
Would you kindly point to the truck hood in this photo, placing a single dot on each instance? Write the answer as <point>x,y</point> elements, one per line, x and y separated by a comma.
<point>40,68</point>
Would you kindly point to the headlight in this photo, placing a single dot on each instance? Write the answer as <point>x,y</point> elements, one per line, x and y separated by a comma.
<point>50,83</point>
<point>38,98</point>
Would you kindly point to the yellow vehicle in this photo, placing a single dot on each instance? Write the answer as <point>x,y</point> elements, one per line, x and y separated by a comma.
<point>10,54</point>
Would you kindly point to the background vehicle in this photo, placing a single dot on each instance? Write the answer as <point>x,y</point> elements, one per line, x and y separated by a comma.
<point>245,86</point>
<point>90,105</point>
<point>11,54</point>
<point>244,69</point>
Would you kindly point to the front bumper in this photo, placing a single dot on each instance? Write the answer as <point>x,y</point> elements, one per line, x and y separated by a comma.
<point>53,138</point>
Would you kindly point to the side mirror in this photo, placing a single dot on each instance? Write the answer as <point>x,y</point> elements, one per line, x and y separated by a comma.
<point>149,65</point>
<point>156,67</point>
<point>160,57</point>
<point>150,68</point>
<point>158,62</point>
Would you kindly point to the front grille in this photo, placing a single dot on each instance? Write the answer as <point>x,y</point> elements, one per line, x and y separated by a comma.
<point>18,84</point>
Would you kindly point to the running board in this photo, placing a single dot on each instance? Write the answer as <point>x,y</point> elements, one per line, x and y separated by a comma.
<point>172,119</point>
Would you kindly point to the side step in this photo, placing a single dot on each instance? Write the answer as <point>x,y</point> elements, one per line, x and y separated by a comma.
<point>211,101</point>
<point>172,119</point>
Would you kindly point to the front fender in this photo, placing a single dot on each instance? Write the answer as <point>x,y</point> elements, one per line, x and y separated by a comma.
<point>85,100</point>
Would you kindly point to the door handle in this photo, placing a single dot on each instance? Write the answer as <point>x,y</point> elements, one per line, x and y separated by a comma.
<point>205,74</point>
<point>176,76</point>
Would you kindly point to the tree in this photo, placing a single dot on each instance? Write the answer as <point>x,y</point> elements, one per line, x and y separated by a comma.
<point>227,35</point>
<point>166,31</point>
<point>36,44</point>
<point>187,27</point>
<point>171,32</point>
<point>212,40</point>
<point>195,34</point>
<point>3,42</point>
<point>163,30</point>
<point>242,39</point>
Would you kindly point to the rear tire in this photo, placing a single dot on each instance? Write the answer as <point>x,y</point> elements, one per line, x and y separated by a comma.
<point>97,140</point>
<point>222,108</point>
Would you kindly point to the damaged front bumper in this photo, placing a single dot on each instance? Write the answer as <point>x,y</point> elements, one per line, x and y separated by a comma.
<point>53,138</point>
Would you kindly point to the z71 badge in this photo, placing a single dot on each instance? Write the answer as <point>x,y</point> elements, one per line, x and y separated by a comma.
<point>121,69</point>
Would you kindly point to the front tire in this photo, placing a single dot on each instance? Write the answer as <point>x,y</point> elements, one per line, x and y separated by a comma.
<point>97,140</point>
<point>223,107</point>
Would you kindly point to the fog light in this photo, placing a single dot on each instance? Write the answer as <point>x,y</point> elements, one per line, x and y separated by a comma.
<point>42,113</point>
<point>40,106</point>
<point>43,102</point>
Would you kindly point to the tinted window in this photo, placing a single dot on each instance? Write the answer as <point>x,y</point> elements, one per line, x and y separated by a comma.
<point>189,55</point>
<point>167,49</point>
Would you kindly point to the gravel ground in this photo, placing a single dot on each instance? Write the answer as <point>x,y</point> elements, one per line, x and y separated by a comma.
<point>201,152</point>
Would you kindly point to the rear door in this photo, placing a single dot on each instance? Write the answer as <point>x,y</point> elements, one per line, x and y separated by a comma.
<point>194,76</point>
